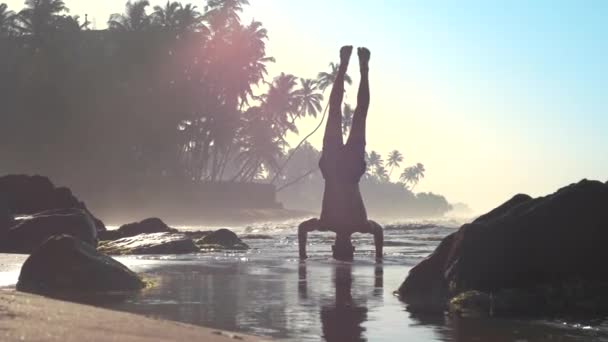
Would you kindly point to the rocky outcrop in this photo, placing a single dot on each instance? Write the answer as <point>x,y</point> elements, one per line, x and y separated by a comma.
<point>156,243</point>
<point>545,254</point>
<point>28,195</point>
<point>197,234</point>
<point>6,218</point>
<point>64,264</point>
<point>257,237</point>
<point>29,233</point>
<point>147,226</point>
<point>222,239</point>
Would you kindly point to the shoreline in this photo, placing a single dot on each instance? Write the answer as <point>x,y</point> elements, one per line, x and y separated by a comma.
<point>216,218</point>
<point>29,317</point>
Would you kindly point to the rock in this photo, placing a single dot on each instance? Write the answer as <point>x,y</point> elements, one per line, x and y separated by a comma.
<point>147,226</point>
<point>66,264</point>
<point>156,243</point>
<point>199,234</point>
<point>258,237</point>
<point>471,303</point>
<point>531,247</point>
<point>222,239</point>
<point>6,218</point>
<point>29,233</point>
<point>28,195</point>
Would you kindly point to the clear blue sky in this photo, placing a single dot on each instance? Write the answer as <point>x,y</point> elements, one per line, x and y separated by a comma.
<point>494,97</point>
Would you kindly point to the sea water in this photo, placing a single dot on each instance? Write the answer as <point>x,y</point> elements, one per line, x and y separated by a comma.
<point>268,291</point>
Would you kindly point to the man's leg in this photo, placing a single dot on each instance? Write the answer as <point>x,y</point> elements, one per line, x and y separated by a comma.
<point>357,132</point>
<point>333,131</point>
<point>303,229</point>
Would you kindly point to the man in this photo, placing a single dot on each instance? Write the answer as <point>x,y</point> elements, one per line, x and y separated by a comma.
<point>342,166</point>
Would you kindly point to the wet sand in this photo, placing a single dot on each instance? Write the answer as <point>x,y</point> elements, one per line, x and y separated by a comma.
<point>27,317</point>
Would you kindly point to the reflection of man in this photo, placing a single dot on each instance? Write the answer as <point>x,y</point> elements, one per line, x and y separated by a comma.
<point>342,166</point>
<point>342,321</point>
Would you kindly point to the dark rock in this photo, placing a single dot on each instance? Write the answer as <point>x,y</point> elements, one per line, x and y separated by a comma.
<point>30,232</point>
<point>156,243</point>
<point>6,218</point>
<point>199,234</point>
<point>471,303</point>
<point>525,245</point>
<point>66,264</point>
<point>222,239</point>
<point>258,237</point>
<point>29,195</point>
<point>147,226</point>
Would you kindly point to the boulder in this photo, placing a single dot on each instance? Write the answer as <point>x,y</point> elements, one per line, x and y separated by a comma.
<point>222,239</point>
<point>198,234</point>
<point>535,248</point>
<point>30,232</point>
<point>28,195</point>
<point>64,264</point>
<point>147,226</point>
<point>6,218</point>
<point>261,237</point>
<point>156,243</point>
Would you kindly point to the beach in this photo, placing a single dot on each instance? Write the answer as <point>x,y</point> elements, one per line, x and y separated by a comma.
<point>27,317</point>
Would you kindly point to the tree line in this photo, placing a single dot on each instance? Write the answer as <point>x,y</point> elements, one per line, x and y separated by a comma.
<point>181,82</point>
<point>178,92</point>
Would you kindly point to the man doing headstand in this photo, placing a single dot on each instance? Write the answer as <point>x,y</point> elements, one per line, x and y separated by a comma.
<point>342,166</point>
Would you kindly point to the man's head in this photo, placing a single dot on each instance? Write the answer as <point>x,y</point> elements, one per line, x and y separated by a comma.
<point>343,249</point>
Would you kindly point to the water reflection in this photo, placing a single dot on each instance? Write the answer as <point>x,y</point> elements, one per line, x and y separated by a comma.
<point>342,319</point>
<point>463,329</point>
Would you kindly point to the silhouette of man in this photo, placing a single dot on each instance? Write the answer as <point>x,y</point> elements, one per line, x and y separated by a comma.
<point>342,166</point>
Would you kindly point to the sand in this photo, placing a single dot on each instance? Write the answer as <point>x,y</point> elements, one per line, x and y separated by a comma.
<point>27,317</point>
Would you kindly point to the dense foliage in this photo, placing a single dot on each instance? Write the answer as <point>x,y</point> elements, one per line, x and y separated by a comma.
<point>175,92</point>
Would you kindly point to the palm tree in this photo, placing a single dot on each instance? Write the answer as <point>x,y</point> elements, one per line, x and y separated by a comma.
<point>190,19</point>
<point>262,146</point>
<point>420,170</point>
<point>40,16</point>
<point>7,21</point>
<point>134,19</point>
<point>66,23</point>
<point>381,173</point>
<point>308,98</point>
<point>413,174</point>
<point>281,103</point>
<point>394,160</point>
<point>247,65</point>
<point>347,118</point>
<point>374,160</point>
<point>223,13</point>
<point>327,79</point>
<point>167,16</point>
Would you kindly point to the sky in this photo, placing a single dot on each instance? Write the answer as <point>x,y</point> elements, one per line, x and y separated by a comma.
<point>495,98</point>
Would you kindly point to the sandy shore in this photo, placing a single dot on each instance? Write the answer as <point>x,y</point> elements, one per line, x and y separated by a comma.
<point>27,317</point>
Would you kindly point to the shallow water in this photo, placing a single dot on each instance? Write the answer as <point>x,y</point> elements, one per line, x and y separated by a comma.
<point>268,291</point>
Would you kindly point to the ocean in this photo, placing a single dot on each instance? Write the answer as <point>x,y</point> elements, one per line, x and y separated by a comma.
<point>268,291</point>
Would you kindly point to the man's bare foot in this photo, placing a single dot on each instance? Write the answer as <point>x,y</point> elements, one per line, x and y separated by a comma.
<point>345,53</point>
<point>364,56</point>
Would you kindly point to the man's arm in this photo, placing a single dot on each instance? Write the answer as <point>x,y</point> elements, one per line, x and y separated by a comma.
<point>303,229</point>
<point>378,238</point>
